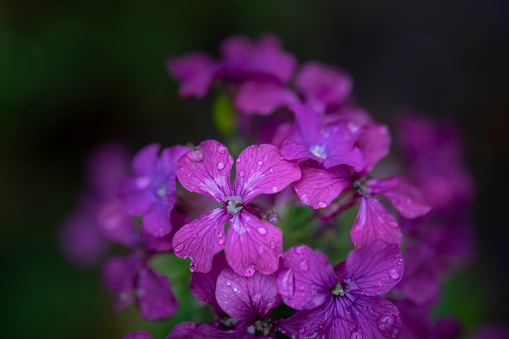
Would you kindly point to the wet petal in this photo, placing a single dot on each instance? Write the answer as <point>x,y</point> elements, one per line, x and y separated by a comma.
<point>155,296</point>
<point>253,245</point>
<point>169,159</point>
<point>374,144</point>
<point>206,169</point>
<point>262,170</point>
<point>203,285</point>
<point>201,239</point>
<point>262,97</point>
<point>374,270</point>
<point>138,335</point>
<point>305,278</point>
<point>195,72</point>
<point>374,222</point>
<point>246,298</point>
<point>318,186</point>
<point>157,220</point>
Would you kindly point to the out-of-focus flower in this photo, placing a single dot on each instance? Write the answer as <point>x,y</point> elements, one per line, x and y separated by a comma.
<point>251,244</point>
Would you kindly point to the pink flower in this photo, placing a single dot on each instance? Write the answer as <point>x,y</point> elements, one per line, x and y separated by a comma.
<point>251,244</point>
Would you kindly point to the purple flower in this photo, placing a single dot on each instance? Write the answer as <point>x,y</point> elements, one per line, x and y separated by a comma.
<point>151,191</point>
<point>256,72</point>
<point>138,335</point>
<point>251,244</point>
<point>342,302</point>
<point>130,279</point>
<point>319,186</point>
<point>328,144</point>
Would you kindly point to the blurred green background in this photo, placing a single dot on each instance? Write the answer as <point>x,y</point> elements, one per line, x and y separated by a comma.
<point>75,74</point>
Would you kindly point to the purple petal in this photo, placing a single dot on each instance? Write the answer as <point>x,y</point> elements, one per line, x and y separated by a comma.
<point>138,335</point>
<point>155,296</point>
<point>329,145</point>
<point>157,220</point>
<point>209,331</point>
<point>262,97</point>
<point>262,170</point>
<point>374,144</point>
<point>404,197</point>
<point>195,72</point>
<point>374,222</point>
<point>374,270</point>
<point>246,298</point>
<point>206,169</point>
<point>116,224</point>
<point>201,239</point>
<point>136,195</point>
<point>253,244</point>
<point>169,159</point>
<point>203,285</point>
<point>376,317</point>
<point>119,277</point>
<point>323,84</point>
<point>305,278</point>
<point>165,244</point>
<point>446,328</point>
<point>318,186</point>
<point>145,160</point>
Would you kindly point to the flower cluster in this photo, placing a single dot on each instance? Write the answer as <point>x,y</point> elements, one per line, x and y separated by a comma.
<point>319,154</point>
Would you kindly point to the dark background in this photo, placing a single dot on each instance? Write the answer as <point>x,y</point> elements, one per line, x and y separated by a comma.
<point>74,74</point>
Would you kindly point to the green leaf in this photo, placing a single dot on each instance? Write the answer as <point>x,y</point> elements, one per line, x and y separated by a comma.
<point>223,115</point>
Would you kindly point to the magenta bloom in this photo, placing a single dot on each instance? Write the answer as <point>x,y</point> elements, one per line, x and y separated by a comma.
<point>342,302</point>
<point>138,335</point>
<point>151,191</point>
<point>319,186</point>
<point>328,144</point>
<point>251,244</point>
<point>256,72</point>
<point>130,279</point>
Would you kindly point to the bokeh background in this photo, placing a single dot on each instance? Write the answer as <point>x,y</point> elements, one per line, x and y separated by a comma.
<point>76,73</point>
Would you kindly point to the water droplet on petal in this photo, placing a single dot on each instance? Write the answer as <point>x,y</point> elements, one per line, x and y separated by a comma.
<point>274,189</point>
<point>235,289</point>
<point>179,248</point>
<point>192,266</point>
<point>220,166</point>
<point>322,204</point>
<point>330,187</point>
<point>221,149</point>
<point>300,249</point>
<point>260,163</point>
<point>303,266</point>
<point>238,159</point>
<point>195,235</point>
<point>195,154</point>
<point>242,173</point>
<point>352,126</point>
<point>385,322</point>
<point>394,273</point>
<point>356,335</point>
<point>220,241</point>
<point>262,230</point>
<point>249,271</point>
<point>271,171</point>
<point>228,283</point>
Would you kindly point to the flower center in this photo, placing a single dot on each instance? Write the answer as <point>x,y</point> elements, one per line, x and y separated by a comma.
<point>318,151</point>
<point>338,290</point>
<point>161,191</point>
<point>234,205</point>
<point>361,188</point>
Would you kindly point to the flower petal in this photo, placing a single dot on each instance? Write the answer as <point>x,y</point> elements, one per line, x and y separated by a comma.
<point>206,169</point>
<point>374,143</point>
<point>157,220</point>
<point>201,239</point>
<point>246,298</point>
<point>155,296</point>
<point>203,285</point>
<point>253,244</point>
<point>262,170</point>
<point>374,270</point>
<point>138,335</point>
<point>145,160</point>
<point>136,195</point>
<point>305,278</point>
<point>119,277</point>
<point>262,97</point>
<point>318,186</point>
<point>374,222</point>
<point>116,224</point>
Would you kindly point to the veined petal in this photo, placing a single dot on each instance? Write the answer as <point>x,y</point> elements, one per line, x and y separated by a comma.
<point>157,220</point>
<point>374,143</point>
<point>155,296</point>
<point>253,244</point>
<point>406,198</point>
<point>375,269</point>
<point>374,222</point>
<point>203,285</point>
<point>201,239</point>
<point>169,159</point>
<point>246,298</point>
<point>206,169</point>
<point>262,170</point>
<point>305,279</point>
<point>318,186</point>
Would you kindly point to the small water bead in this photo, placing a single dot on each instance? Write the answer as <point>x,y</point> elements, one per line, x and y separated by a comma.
<point>222,149</point>
<point>300,249</point>
<point>330,187</point>
<point>220,166</point>
<point>228,283</point>
<point>179,248</point>
<point>195,155</point>
<point>322,204</point>
<point>242,173</point>
<point>271,171</point>
<point>260,163</point>
<point>352,126</point>
<point>194,166</point>
<point>272,244</point>
<point>221,241</point>
<point>303,266</point>
<point>235,289</point>
<point>385,322</point>
<point>238,160</point>
<point>274,189</point>
<point>249,271</point>
<point>356,335</point>
<point>262,230</point>
<point>192,266</point>
<point>394,273</point>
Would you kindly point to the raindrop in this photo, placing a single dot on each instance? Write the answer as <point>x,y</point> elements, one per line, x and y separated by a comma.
<point>322,204</point>
<point>385,322</point>
<point>300,249</point>
<point>394,273</point>
<point>228,283</point>
<point>353,126</point>
<point>330,187</point>
<point>235,289</point>
<point>220,166</point>
<point>271,171</point>
<point>242,173</point>
<point>260,163</point>
<point>179,247</point>
<point>274,189</point>
<point>262,230</point>
<point>356,335</point>
<point>303,266</point>
<point>249,271</point>
<point>220,241</point>
<point>221,149</point>
<point>192,266</point>
<point>238,159</point>
<point>195,155</point>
